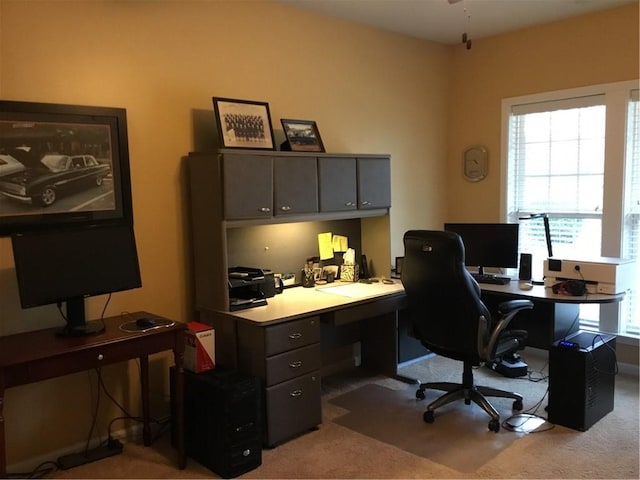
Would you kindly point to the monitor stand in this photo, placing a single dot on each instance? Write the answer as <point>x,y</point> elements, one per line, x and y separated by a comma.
<point>77,326</point>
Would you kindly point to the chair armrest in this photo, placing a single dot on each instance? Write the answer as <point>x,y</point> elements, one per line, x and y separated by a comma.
<point>507,310</point>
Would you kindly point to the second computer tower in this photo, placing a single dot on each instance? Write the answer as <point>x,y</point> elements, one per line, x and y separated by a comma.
<point>222,421</point>
<point>582,369</point>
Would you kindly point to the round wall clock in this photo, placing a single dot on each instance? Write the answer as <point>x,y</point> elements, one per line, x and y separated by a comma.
<point>475,163</point>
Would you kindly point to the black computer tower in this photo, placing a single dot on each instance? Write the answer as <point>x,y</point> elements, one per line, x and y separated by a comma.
<point>222,421</point>
<point>582,369</point>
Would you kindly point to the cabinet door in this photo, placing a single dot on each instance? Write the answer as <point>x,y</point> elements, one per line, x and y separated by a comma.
<point>337,182</point>
<point>374,183</point>
<point>296,185</point>
<point>248,186</point>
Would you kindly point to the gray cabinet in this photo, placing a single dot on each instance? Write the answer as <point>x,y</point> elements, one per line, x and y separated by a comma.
<point>295,185</point>
<point>286,358</point>
<point>374,182</point>
<point>247,186</point>
<point>337,189</point>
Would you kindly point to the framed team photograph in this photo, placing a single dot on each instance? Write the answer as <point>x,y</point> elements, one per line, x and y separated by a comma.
<point>302,135</point>
<point>243,124</point>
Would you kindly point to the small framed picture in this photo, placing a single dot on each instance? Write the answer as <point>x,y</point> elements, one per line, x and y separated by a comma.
<point>243,123</point>
<point>302,135</point>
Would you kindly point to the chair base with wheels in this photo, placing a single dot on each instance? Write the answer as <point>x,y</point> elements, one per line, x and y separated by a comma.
<point>470,392</point>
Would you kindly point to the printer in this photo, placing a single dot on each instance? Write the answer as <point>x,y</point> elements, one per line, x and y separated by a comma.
<point>249,287</point>
<point>608,275</point>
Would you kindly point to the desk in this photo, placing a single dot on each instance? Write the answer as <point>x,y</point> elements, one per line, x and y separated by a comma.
<point>39,355</point>
<point>553,316</point>
<point>280,343</point>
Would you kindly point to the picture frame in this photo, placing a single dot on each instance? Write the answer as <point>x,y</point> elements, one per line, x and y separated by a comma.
<point>302,135</point>
<point>70,166</point>
<point>243,124</point>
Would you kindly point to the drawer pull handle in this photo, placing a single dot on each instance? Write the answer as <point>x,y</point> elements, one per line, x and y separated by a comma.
<point>296,393</point>
<point>285,208</point>
<point>295,336</point>
<point>296,364</point>
<point>348,204</point>
<point>265,209</point>
<point>365,203</point>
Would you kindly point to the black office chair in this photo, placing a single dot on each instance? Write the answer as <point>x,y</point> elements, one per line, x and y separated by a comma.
<point>449,318</point>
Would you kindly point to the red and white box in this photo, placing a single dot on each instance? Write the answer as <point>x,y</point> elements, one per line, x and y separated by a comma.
<point>199,348</point>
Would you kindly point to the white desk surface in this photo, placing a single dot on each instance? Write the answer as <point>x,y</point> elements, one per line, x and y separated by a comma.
<point>540,292</point>
<point>299,301</point>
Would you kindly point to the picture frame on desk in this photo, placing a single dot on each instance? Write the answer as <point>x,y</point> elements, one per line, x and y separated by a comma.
<point>243,124</point>
<point>302,135</point>
<point>62,165</point>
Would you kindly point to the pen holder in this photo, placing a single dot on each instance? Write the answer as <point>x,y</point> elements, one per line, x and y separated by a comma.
<point>350,273</point>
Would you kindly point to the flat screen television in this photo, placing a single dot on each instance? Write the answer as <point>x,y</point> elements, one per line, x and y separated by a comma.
<point>62,165</point>
<point>68,265</point>
<point>488,244</point>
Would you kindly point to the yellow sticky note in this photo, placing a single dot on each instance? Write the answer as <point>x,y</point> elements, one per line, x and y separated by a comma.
<point>340,243</point>
<point>324,246</point>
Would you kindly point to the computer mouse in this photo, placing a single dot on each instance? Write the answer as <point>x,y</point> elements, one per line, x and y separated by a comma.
<point>525,286</point>
<point>146,322</point>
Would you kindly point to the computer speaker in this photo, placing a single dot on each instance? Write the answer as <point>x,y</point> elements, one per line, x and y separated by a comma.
<point>525,266</point>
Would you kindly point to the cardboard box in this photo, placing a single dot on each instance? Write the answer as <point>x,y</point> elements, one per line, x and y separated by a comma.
<point>199,349</point>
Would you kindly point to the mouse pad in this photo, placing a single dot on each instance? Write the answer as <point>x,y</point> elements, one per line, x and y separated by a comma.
<point>459,438</point>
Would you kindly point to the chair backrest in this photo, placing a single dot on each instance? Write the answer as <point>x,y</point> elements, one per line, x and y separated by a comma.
<point>444,300</point>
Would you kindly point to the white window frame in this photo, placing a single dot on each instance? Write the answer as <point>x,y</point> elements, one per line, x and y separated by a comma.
<point>616,99</point>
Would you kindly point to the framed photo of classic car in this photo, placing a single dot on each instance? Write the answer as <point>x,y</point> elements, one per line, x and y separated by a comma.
<point>243,124</point>
<point>302,135</point>
<point>62,165</point>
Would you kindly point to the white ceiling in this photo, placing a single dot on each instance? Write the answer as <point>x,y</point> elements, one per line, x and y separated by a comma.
<point>444,21</point>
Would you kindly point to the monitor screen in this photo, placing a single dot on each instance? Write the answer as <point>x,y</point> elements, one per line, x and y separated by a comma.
<point>68,265</point>
<point>488,244</point>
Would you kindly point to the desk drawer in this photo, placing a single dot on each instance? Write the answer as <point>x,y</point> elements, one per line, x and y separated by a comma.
<point>288,365</point>
<point>292,408</point>
<point>295,334</point>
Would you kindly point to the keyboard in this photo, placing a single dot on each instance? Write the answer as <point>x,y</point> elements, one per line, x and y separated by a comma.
<point>492,279</point>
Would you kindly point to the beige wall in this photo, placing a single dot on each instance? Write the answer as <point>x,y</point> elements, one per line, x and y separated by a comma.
<point>587,50</point>
<point>369,91</point>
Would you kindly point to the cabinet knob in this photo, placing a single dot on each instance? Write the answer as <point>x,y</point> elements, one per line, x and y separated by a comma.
<point>265,209</point>
<point>285,208</point>
<point>100,356</point>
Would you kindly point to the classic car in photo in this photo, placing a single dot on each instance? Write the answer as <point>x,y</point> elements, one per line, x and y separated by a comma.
<point>8,165</point>
<point>54,176</point>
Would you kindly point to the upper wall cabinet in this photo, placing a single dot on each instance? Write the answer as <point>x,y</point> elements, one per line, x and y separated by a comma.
<point>247,186</point>
<point>337,184</point>
<point>374,182</point>
<point>296,185</point>
<point>273,187</point>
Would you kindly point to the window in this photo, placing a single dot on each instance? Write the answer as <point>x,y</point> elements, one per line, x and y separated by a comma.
<point>573,156</point>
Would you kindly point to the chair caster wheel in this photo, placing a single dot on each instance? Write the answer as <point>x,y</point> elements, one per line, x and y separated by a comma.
<point>517,405</point>
<point>420,394</point>
<point>428,416</point>
<point>494,426</point>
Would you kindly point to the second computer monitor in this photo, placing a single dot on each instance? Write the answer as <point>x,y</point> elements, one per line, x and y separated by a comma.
<point>488,244</point>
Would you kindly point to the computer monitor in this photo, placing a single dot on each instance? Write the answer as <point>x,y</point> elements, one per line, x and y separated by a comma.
<point>488,244</point>
<point>67,265</point>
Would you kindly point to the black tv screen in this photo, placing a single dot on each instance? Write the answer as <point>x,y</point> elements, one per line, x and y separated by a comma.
<point>488,244</point>
<point>62,165</point>
<point>65,266</point>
